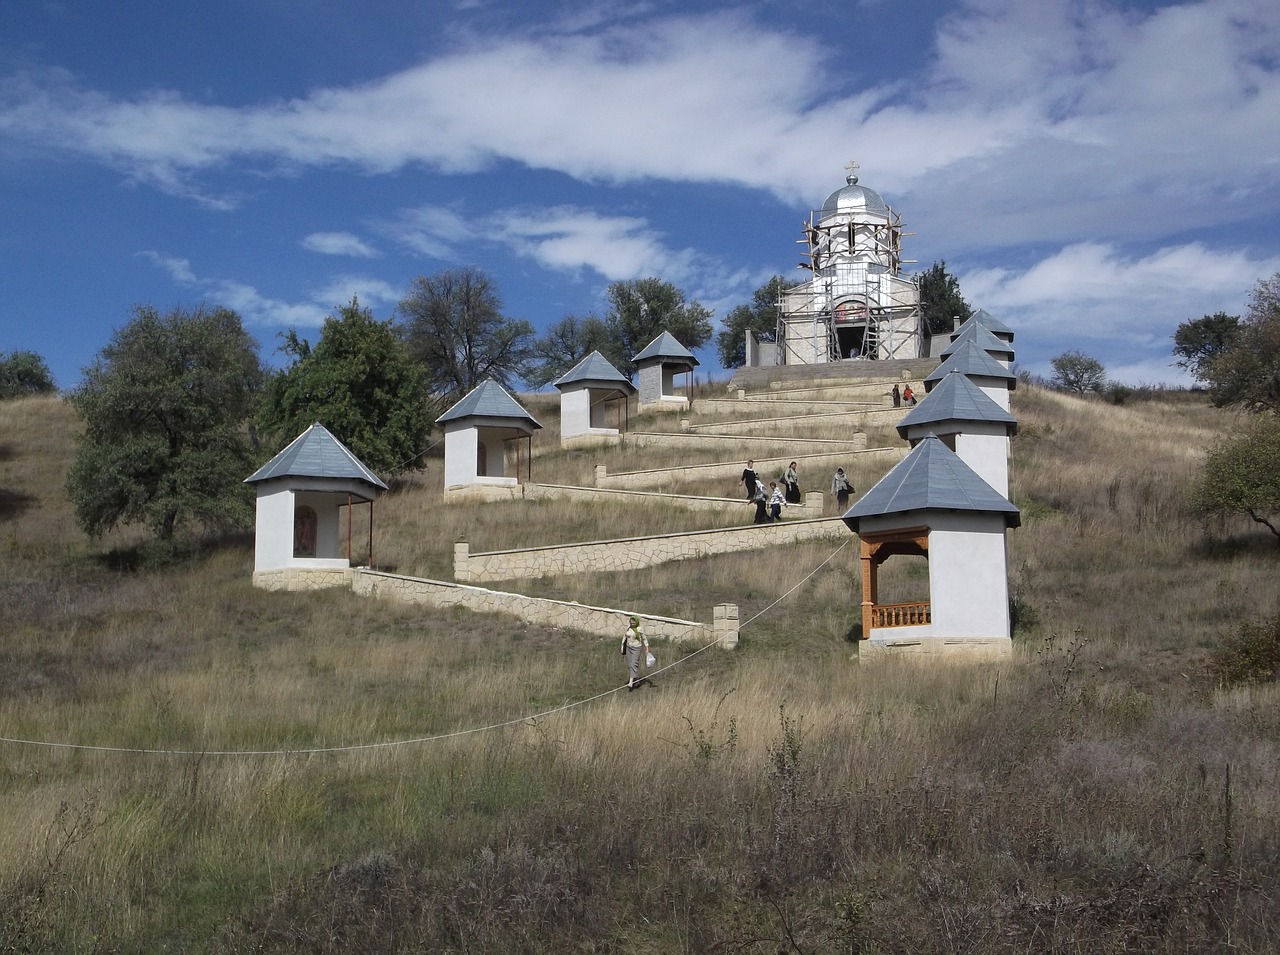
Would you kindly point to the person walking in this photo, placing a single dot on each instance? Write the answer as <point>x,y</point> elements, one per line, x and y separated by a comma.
<point>776,500</point>
<point>761,501</point>
<point>792,481</point>
<point>908,396</point>
<point>897,397</point>
<point>635,646</point>
<point>750,479</point>
<point>841,488</point>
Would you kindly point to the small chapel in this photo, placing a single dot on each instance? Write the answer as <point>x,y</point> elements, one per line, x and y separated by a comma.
<point>857,304</point>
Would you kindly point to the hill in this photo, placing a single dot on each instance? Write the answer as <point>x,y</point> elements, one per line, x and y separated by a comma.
<point>318,773</point>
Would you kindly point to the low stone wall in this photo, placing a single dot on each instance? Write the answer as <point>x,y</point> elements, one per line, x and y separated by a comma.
<point>753,404</point>
<point>723,630</point>
<point>632,553</point>
<point>767,467</point>
<point>689,502</point>
<point>299,579</point>
<point>785,424</point>
<point>720,444</point>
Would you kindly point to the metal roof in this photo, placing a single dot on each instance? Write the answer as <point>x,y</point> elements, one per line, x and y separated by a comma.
<point>981,336</point>
<point>956,398</point>
<point>990,322</point>
<point>596,368</point>
<point>488,400</point>
<point>853,198</point>
<point>666,346</point>
<point>969,359</point>
<point>316,453</point>
<point>931,478</point>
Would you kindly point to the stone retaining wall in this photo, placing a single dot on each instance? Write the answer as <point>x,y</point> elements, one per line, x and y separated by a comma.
<point>767,467</point>
<point>719,444</point>
<point>722,631</point>
<point>755,404</point>
<point>632,553</point>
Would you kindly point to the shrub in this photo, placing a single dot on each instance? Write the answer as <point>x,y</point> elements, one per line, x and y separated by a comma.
<point>1250,655</point>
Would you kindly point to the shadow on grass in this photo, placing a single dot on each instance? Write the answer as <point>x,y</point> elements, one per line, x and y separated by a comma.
<point>13,503</point>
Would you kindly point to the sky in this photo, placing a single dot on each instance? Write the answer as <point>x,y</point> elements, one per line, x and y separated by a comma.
<point>1094,172</point>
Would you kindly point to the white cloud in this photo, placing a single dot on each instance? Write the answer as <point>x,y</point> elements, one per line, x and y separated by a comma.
<point>1048,119</point>
<point>339,243</point>
<point>1121,309</point>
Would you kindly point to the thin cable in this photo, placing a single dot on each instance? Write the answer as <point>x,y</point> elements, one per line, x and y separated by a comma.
<point>355,747</point>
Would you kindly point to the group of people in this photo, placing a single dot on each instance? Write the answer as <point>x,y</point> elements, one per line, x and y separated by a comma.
<point>770,501</point>
<point>905,395</point>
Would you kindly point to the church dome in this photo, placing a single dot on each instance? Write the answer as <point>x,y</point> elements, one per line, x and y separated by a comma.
<point>852,199</point>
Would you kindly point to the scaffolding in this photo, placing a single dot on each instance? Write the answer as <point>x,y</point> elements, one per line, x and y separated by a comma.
<point>857,305</point>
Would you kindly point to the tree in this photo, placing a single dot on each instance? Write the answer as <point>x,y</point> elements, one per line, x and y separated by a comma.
<point>454,327</point>
<point>24,373</point>
<point>761,315</point>
<point>1246,373</point>
<point>1242,475</point>
<point>1198,343</point>
<point>642,309</point>
<point>1076,371</point>
<point>565,344</point>
<point>164,407</point>
<point>359,382</point>
<point>940,299</point>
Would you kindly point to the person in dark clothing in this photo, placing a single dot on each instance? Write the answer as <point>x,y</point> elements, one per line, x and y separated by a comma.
<point>750,480</point>
<point>792,481</point>
<point>761,501</point>
<point>897,397</point>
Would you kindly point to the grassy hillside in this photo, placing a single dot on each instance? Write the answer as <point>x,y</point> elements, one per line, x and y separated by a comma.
<point>1096,793</point>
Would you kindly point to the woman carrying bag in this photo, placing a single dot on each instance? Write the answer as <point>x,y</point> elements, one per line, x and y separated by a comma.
<point>635,644</point>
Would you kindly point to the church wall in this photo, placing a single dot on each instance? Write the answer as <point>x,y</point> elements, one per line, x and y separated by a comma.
<point>273,530</point>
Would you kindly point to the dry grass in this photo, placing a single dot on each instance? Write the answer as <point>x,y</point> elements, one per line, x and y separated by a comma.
<point>1096,792</point>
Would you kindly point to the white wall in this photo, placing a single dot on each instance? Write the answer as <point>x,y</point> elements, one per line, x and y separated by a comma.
<point>968,575</point>
<point>460,446</point>
<point>575,412</point>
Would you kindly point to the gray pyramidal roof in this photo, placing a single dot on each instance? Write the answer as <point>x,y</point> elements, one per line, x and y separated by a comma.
<point>990,322</point>
<point>666,346</point>
<point>981,336</point>
<point>595,368</point>
<point>969,359</point>
<point>316,453</point>
<point>931,478</point>
<point>488,400</point>
<point>956,398</point>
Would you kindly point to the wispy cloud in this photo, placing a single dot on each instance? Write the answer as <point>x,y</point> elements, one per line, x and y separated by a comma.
<point>339,243</point>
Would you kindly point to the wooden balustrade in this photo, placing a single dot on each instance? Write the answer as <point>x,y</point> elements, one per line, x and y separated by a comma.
<point>900,615</point>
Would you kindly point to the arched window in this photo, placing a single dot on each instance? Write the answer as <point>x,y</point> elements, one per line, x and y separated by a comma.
<point>304,532</point>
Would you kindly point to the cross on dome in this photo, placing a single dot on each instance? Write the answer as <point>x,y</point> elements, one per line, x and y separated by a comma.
<point>853,168</point>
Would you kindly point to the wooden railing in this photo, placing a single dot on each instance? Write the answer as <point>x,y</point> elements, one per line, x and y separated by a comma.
<point>900,615</point>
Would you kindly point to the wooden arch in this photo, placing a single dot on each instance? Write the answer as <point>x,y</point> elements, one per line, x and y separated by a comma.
<point>876,549</point>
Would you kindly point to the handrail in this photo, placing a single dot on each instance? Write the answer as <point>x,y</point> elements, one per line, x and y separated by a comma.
<point>914,614</point>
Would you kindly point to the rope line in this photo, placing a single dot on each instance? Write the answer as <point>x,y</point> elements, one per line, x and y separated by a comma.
<point>438,737</point>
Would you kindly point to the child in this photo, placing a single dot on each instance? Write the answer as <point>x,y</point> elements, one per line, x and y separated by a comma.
<point>776,500</point>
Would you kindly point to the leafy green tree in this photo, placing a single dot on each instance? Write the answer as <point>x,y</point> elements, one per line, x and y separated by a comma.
<point>359,382</point>
<point>1076,371</point>
<point>1199,342</point>
<point>164,408</point>
<point>1242,475</point>
<point>760,315</point>
<point>565,344</point>
<point>454,327</point>
<point>940,299</point>
<point>642,309</point>
<point>24,373</point>
<point>1246,373</point>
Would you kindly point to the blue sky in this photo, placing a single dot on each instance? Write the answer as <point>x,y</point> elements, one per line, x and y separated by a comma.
<point>1094,172</point>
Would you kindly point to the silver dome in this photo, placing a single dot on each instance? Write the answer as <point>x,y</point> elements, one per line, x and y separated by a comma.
<point>854,198</point>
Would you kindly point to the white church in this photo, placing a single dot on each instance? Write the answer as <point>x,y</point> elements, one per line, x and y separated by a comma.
<point>857,304</point>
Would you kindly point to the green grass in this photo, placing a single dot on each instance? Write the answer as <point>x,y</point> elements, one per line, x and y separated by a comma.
<point>1100,791</point>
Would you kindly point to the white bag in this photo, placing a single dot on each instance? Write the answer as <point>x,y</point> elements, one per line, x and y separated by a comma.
<point>649,659</point>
